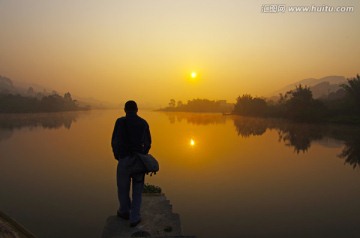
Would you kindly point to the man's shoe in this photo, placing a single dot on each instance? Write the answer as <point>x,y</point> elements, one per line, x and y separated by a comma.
<point>133,224</point>
<point>124,216</point>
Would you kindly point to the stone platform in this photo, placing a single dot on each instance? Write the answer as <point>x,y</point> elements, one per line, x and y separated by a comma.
<point>157,220</point>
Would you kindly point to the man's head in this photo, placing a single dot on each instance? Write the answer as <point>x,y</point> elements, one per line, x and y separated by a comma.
<point>130,106</point>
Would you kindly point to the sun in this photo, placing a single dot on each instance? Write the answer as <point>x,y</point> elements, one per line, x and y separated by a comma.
<point>193,75</point>
<point>192,142</point>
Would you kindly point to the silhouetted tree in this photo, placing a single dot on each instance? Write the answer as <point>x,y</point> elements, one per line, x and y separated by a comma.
<point>18,103</point>
<point>180,104</point>
<point>172,103</point>
<point>300,105</point>
<point>30,91</point>
<point>249,106</point>
<point>69,104</point>
<point>67,97</point>
<point>353,93</point>
<point>52,103</point>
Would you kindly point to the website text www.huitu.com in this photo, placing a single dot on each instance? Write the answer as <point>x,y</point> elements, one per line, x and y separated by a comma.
<point>282,8</point>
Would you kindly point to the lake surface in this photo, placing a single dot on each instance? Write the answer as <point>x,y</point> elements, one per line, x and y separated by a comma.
<point>225,175</point>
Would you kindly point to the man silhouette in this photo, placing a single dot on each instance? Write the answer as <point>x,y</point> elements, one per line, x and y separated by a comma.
<point>131,134</point>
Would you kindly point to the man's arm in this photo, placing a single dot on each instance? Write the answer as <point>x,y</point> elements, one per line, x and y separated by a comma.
<point>147,142</point>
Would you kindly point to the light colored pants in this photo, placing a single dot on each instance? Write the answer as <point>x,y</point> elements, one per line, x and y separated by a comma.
<point>124,179</point>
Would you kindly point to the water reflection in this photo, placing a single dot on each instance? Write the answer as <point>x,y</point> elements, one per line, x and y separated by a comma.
<point>299,136</point>
<point>5,134</point>
<point>246,127</point>
<point>196,118</point>
<point>11,122</point>
<point>192,142</point>
<point>253,180</point>
<point>351,152</point>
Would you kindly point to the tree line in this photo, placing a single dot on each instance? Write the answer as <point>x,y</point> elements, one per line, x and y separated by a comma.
<point>199,105</point>
<point>299,105</point>
<point>10,103</point>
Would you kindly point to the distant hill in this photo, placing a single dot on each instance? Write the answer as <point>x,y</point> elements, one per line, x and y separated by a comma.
<point>26,89</point>
<point>23,88</point>
<point>9,86</point>
<point>320,87</point>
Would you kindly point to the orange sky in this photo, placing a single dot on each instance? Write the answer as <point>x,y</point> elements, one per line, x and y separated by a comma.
<point>117,50</point>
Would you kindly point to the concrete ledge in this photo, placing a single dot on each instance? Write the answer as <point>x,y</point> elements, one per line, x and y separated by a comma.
<point>157,220</point>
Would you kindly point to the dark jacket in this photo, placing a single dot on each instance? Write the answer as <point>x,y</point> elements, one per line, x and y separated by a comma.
<point>131,134</point>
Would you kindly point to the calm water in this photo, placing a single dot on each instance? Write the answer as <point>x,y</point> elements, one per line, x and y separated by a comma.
<point>233,176</point>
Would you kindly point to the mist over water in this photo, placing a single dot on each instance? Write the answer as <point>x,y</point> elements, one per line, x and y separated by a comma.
<point>225,175</point>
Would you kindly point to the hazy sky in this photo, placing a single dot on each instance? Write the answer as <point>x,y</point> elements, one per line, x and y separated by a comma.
<point>116,50</point>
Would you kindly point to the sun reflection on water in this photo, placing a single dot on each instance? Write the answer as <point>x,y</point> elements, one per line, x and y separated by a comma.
<point>192,142</point>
